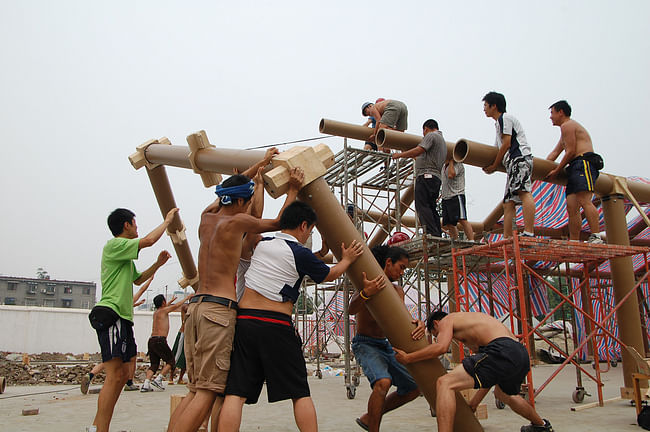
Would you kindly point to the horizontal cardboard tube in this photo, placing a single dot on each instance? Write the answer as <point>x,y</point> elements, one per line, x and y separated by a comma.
<point>221,161</point>
<point>348,130</point>
<point>481,155</point>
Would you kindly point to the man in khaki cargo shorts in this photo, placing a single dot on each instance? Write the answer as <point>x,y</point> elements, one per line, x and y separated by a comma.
<point>212,313</point>
<point>393,114</point>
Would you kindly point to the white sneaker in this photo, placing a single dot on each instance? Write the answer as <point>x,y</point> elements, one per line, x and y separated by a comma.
<point>158,384</point>
<point>91,429</point>
<point>145,389</point>
<point>595,239</point>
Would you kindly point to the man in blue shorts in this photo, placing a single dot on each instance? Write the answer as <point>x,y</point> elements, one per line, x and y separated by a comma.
<point>371,348</point>
<point>112,316</point>
<point>266,345</point>
<point>583,166</point>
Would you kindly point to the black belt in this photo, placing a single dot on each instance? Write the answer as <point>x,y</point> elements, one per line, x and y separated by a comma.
<point>198,298</point>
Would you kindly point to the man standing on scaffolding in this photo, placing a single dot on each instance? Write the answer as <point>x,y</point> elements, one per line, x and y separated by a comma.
<point>372,349</point>
<point>430,157</point>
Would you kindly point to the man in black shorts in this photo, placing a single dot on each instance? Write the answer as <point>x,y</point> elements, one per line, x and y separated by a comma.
<point>266,345</point>
<point>157,345</point>
<point>499,360</point>
<point>452,192</point>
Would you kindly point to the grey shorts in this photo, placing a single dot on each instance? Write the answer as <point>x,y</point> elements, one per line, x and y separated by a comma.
<point>518,179</point>
<point>395,115</point>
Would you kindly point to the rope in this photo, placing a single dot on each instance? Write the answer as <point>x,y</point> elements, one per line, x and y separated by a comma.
<point>44,392</point>
<point>290,142</point>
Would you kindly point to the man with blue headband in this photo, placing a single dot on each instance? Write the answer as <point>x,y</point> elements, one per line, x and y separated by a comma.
<point>212,313</point>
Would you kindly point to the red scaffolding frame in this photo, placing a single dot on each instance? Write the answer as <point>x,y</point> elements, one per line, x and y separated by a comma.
<point>517,256</point>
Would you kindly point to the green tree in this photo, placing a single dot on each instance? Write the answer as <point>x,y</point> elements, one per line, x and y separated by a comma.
<point>41,273</point>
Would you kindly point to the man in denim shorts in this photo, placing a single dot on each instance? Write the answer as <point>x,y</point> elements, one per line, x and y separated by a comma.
<point>373,350</point>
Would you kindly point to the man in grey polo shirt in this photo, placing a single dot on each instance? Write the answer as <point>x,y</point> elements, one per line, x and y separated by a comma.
<point>454,210</point>
<point>430,157</point>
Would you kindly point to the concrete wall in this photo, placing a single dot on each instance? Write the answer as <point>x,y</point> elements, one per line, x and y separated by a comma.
<point>35,330</point>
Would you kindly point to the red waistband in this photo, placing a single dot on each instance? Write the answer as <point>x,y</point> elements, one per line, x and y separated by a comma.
<point>271,320</point>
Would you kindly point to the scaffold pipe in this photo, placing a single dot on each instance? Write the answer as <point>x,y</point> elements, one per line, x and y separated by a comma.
<point>406,199</point>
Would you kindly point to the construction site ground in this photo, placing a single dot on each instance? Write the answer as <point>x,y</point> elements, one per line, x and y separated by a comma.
<point>63,408</point>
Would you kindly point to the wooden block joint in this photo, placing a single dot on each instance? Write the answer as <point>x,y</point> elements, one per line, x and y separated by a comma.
<point>314,161</point>
<point>138,159</point>
<point>199,141</point>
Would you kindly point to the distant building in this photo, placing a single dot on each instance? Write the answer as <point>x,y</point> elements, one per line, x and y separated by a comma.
<point>47,292</point>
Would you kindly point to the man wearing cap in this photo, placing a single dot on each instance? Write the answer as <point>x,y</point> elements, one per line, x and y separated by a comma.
<point>392,114</point>
<point>430,157</point>
<point>210,325</point>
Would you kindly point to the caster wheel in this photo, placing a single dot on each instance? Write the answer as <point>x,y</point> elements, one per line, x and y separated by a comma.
<point>578,396</point>
<point>319,374</point>
<point>499,404</point>
<point>351,392</point>
<point>355,380</point>
<point>614,363</point>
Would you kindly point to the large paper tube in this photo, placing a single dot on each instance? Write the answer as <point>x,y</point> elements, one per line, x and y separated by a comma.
<point>629,321</point>
<point>216,160</point>
<point>348,130</point>
<point>404,141</point>
<point>409,221</point>
<point>386,307</point>
<point>406,199</point>
<point>163,191</point>
<point>481,155</point>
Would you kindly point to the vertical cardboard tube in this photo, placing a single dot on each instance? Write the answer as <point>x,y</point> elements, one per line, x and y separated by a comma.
<point>386,307</point>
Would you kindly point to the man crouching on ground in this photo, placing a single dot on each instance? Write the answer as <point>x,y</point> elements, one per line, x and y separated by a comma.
<point>210,325</point>
<point>267,346</point>
<point>499,359</point>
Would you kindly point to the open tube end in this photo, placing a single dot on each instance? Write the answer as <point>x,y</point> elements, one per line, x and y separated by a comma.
<point>460,150</point>
<point>381,137</point>
<point>321,125</point>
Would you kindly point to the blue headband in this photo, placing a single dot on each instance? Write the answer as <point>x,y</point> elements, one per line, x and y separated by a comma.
<point>228,193</point>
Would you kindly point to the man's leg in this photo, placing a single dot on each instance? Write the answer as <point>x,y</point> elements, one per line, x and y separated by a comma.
<point>575,220</point>
<point>116,376</point>
<point>180,409</point>
<point>305,414</point>
<point>195,411</point>
<point>230,416</point>
<point>446,386</point>
<point>376,402</point>
<point>508,217</point>
<point>453,231</point>
<point>520,406</point>
<point>395,400</point>
<point>216,412</point>
<point>425,202</point>
<point>467,229</point>
<point>591,214</point>
<point>528,207</point>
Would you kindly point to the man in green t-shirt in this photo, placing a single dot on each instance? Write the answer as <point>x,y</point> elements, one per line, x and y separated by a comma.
<point>112,316</point>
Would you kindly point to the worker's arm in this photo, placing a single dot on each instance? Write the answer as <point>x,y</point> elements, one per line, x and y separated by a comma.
<point>414,152</point>
<point>148,273</point>
<point>141,291</point>
<point>252,170</point>
<point>173,307</point>
<point>370,288</point>
<point>349,255</point>
<point>570,142</point>
<point>157,232</point>
<point>505,145</point>
<point>451,170</point>
<point>434,350</point>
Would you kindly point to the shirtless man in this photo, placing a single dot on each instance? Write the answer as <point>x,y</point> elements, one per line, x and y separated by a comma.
<point>499,360</point>
<point>157,345</point>
<point>391,114</point>
<point>210,326</point>
<point>372,349</point>
<point>267,346</point>
<point>582,171</point>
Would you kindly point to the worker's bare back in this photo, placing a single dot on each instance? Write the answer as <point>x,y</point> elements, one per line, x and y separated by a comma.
<point>476,329</point>
<point>582,138</point>
<point>160,325</point>
<point>221,243</point>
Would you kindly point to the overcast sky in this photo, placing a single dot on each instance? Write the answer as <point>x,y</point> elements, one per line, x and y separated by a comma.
<point>82,83</point>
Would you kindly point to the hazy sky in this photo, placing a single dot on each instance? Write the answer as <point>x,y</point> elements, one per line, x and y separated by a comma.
<point>82,83</point>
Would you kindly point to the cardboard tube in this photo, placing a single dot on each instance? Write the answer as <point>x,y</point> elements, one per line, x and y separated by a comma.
<point>386,307</point>
<point>409,221</point>
<point>348,130</point>
<point>405,201</point>
<point>629,321</point>
<point>404,141</point>
<point>221,161</point>
<point>163,191</point>
<point>481,155</point>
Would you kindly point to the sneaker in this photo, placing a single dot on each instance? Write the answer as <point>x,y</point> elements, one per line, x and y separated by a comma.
<point>536,428</point>
<point>526,234</point>
<point>132,387</point>
<point>145,389</point>
<point>595,239</point>
<point>91,428</point>
<point>85,383</point>
<point>157,384</point>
